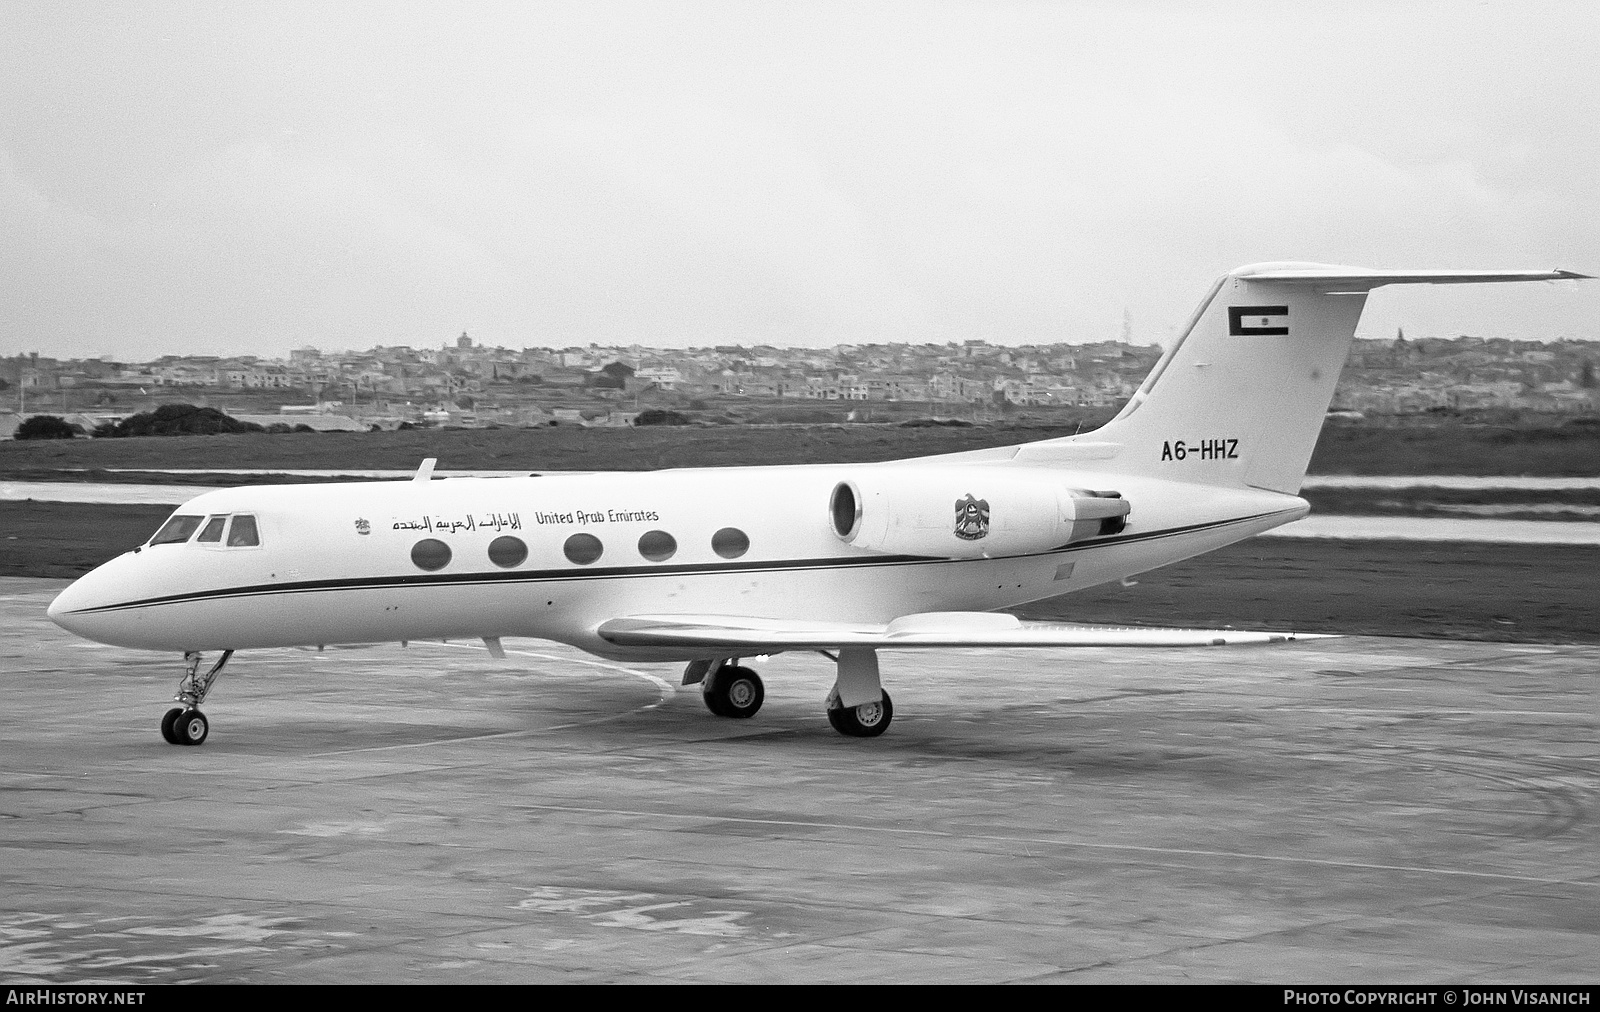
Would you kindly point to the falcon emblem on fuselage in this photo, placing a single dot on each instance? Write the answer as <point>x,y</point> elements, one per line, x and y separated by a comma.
<point>972,518</point>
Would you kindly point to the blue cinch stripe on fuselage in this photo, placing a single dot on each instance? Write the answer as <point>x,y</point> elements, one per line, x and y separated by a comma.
<point>613,572</point>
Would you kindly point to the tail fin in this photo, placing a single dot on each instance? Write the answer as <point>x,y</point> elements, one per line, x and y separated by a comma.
<point>1239,400</point>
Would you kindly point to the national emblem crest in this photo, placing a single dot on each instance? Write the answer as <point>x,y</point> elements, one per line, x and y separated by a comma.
<point>972,518</point>
<point>363,527</point>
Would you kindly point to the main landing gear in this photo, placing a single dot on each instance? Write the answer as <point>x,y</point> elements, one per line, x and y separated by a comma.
<point>868,720</point>
<point>186,725</point>
<point>857,706</point>
<point>730,690</point>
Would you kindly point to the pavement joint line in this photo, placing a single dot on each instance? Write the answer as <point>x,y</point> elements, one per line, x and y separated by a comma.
<point>525,731</point>
<point>1078,845</point>
<point>424,744</point>
<point>668,689</point>
<point>1431,713</point>
<point>1201,944</point>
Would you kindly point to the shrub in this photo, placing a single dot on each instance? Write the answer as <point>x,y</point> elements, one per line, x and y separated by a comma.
<point>658,416</point>
<point>46,427</point>
<point>936,423</point>
<point>182,420</point>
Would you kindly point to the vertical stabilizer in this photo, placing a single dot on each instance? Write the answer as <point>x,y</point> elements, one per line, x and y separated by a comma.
<point>1239,400</point>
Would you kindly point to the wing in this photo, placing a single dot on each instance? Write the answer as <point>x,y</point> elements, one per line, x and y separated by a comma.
<point>734,633</point>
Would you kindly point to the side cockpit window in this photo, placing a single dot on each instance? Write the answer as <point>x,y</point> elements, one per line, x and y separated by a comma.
<point>213,530</point>
<point>177,530</point>
<point>242,533</point>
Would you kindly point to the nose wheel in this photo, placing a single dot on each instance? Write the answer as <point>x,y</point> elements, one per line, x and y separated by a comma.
<point>186,725</point>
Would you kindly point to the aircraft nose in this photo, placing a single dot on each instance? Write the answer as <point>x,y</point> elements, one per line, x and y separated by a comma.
<point>65,603</point>
<point>71,608</point>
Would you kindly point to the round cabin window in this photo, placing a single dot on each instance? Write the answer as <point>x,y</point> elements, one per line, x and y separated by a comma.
<point>658,546</point>
<point>430,554</point>
<point>507,551</point>
<point>583,548</point>
<point>730,542</point>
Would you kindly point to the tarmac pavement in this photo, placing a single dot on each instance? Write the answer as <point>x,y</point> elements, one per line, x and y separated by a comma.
<point>1362,810</point>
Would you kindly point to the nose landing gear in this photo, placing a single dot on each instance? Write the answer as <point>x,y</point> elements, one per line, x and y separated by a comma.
<point>186,725</point>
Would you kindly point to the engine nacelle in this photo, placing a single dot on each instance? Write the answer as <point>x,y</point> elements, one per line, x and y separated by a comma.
<point>969,512</point>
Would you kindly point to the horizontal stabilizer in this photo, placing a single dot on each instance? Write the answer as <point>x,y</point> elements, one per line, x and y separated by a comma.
<point>1362,279</point>
<point>738,635</point>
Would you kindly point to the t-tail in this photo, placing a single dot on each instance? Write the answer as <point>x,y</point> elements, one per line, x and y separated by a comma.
<point>1239,400</point>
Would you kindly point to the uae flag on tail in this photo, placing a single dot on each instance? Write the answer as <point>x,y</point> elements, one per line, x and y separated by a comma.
<point>1258,321</point>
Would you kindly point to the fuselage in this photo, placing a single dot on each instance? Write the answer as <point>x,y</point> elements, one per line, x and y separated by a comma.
<point>553,557</point>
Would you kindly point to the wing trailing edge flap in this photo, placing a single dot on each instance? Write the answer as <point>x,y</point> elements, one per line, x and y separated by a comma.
<point>929,629</point>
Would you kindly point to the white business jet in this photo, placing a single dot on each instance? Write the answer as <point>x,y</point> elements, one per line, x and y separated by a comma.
<point>713,565</point>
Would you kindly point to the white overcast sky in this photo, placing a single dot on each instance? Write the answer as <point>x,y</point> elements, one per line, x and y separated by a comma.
<point>247,178</point>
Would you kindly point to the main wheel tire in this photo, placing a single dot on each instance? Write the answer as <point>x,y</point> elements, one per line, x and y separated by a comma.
<point>167,721</point>
<point>742,691</point>
<point>712,698</point>
<point>735,692</point>
<point>836,720</point>
<point>865,721</point>
<point>191,728</point>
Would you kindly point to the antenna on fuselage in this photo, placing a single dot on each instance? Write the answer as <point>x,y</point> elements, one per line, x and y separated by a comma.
<point>425,469</point>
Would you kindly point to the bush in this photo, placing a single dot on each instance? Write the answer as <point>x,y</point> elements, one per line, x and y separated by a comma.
<point>46,427</point>
<point>182,420</point>
<point>657,416</point>
<point>936,423</point>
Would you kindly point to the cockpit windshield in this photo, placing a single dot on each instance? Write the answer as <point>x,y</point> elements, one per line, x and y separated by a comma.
<point>242,529</point>
<point>176,530</point>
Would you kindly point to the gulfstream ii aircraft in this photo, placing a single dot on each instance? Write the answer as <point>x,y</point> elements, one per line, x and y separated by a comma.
<point>709,566</point>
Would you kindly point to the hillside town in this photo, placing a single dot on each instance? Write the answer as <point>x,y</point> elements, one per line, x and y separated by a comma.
<point>465,383</point>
